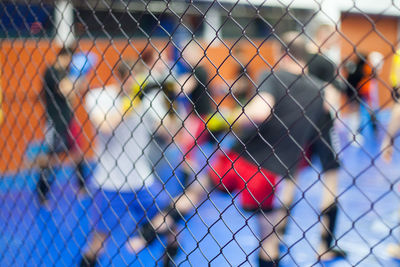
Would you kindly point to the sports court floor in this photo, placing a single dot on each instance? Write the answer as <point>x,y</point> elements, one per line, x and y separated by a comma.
<point>220,233</point>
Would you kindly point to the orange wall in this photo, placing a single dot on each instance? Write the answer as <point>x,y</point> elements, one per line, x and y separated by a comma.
<point>23,63</point>
<point>377,34</point>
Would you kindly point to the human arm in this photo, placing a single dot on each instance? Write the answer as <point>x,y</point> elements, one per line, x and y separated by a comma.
<point>73,89</point>
<point>332,99</point>
<point>159,116</point>
<point>57,84</point>
<point>66,88</point>
<point>104,109</point>
<point>394,126</point>
<point>187,83</point>
<point>260,105</point>
<point>257,110</point>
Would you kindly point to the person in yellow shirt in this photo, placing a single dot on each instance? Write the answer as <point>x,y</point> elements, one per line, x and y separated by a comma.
<point>388,143</point>
<point>395,71</point>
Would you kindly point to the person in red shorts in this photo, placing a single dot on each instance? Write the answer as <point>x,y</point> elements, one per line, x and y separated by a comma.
<point>271,130</point>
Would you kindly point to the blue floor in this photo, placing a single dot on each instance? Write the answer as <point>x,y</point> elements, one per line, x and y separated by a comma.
<point>220,234</point>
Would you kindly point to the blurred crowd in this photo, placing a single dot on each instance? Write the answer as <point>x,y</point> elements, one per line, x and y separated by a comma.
<point>157,127</point>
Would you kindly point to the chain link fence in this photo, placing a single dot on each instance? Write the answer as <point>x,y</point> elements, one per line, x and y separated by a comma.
<point>199,133</point>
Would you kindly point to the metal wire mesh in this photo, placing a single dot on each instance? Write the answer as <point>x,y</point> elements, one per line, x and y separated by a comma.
<point>197,133</point>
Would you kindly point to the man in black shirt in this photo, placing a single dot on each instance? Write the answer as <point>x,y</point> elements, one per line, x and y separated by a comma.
<point>58,110</point>
<point>200,95</point>
<point>323,68</point>
<point>194,84</point>
<point>273,129</point>
<point>62,134</point>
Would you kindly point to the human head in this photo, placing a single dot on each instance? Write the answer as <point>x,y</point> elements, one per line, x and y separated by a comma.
<point>193,53</point>
<point>293,48</point>
<point>154,61</point>
<point>148,56</point>
<point>376,60</point>
<point>325,37</point>
<point>124,74</point>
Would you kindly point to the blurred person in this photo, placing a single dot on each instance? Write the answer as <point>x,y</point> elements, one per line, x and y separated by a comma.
<point>195,83</point>
<point>320,66</point>
<point>387,148</point>
<point>376,59</point>
<point>83,62</point>
<point>242,86</point>
<point>323,64</point>
<point>173,143</point>
<point>194,87</point>
<point>394,124</point>
<point>123,179</point>
<point>155,90</point>
<point>63,133</point>
<point>158,94</point>
<point>241,89</point>
<point>266,151</point>
<point>361,81</point>
<point>395,72</point>
<point>163,117</point>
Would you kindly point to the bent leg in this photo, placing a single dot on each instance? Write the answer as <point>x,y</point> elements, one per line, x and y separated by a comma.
<point>329,211</point>
<point>89,259</point>
<point>270,239</point>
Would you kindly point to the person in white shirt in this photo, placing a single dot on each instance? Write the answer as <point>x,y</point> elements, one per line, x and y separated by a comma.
<point>126,189</point>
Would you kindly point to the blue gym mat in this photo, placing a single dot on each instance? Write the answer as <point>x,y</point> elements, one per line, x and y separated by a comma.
<point>220,233</point>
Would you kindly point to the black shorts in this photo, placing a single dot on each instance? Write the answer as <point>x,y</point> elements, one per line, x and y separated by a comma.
<point>66,141</point>
<point>326,146</point>
<point>396,94</point>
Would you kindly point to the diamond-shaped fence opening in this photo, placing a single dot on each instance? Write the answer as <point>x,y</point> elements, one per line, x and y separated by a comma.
<point>199,133</point>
